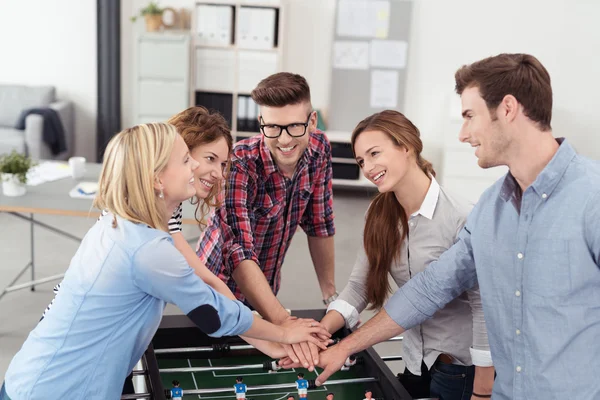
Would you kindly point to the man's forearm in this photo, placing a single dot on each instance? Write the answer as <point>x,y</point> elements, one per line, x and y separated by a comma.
<point>376,330</point>
<point>484,380</point>
<point>322,252</point>
<point>253,284</point>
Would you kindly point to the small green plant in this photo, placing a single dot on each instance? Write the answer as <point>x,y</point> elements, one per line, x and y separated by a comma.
<point>151,9</point>
<point>17,164</point>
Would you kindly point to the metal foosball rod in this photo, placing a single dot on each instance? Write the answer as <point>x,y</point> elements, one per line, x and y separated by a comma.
<point>266,366</point>
<point>391,358</point>
<point>205,349</point>
<point>215,348</point>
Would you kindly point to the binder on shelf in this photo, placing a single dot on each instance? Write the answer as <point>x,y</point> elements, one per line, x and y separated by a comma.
<point>221,102</point>
<point>214,24</point>
<point>242,113</point>
<point>257,27</point>
<point>253,125</point>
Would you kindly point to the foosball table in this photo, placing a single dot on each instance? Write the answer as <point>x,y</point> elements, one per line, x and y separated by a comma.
<point>207,368</point>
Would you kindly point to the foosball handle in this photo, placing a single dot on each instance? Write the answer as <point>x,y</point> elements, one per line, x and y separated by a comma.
<point>268,365</point>
<point>312,384</point>
<point>221,347</point>
<point>167,394</point>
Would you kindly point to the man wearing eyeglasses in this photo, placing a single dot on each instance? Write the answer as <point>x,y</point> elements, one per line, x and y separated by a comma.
<point>279,180</point>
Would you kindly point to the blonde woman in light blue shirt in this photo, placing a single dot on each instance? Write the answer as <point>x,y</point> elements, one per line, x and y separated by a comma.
<point>124,272</point>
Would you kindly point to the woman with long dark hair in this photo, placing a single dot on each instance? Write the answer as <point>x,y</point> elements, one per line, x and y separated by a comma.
<point>409,224</point>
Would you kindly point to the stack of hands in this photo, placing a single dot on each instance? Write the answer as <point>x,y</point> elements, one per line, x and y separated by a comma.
<point>307,347</point>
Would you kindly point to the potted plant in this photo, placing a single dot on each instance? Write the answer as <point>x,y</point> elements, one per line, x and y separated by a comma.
<point>152,13</point>
<point>13,173</point>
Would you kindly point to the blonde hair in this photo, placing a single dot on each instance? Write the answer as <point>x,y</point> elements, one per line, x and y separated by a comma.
<point>132,160</point>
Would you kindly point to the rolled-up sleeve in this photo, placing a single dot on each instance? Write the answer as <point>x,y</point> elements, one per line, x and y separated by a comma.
<point>239,237</point>
<point>317,219</point>
<point>443,280</point>
<point>161,271</point>
<point>353,299</point>
<point>480,351</point>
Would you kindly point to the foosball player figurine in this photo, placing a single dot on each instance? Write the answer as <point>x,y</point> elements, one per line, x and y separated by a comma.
<point>350,361</point>
<point>290,397</point>
<point>240,388</point>
<point>302,385</point>
<point>368,394</point>
<point>176,392</point>
<point>329,396</point>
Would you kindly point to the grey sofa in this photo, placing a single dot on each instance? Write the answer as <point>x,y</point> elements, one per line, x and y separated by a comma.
<point>14,99</point>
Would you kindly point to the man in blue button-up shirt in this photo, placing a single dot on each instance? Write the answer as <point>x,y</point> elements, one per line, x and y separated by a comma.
<point>532,242</point>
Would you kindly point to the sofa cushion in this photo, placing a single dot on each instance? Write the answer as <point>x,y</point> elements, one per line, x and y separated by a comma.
<point>16,98</point>
<point>11,139</point>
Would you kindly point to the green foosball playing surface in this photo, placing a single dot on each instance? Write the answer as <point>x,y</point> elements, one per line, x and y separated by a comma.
<point>178,343</point>
<point>253,378</point>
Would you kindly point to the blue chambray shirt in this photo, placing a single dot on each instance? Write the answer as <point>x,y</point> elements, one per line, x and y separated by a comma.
<point>107,311</point>
<point>536,258</point>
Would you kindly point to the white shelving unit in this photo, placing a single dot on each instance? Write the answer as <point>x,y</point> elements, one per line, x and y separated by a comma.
<point>229,63</point>
<point>344,163</point>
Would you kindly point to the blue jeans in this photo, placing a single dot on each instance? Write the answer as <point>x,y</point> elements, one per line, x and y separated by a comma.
<point>452,382</point>
<point>3,395</point>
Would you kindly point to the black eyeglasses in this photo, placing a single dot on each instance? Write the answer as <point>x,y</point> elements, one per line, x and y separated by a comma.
<point>273,131</point>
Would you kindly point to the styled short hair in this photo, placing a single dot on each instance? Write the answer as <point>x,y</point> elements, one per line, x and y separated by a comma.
<point>132,160</point>
<point>520,75</point>
<point>281,89</point>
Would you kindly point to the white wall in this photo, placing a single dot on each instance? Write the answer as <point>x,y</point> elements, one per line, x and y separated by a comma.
<point>54,43</point>
<point>563,34</point>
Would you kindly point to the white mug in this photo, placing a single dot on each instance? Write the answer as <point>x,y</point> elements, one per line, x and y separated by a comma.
<point>77,165</point>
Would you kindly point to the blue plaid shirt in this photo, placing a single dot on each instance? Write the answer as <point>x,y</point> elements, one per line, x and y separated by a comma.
<point>537,258</point>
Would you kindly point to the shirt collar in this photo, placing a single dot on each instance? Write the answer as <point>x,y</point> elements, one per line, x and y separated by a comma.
<point>430,202</point>
<point>548,179</point>
<point>267,157</point>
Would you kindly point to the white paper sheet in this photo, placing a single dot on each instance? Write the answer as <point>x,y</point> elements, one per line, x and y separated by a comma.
<point>384,89</point>
<point>363,18</point>
<point>388,53</point>
<point>48,171</point>
<point>349,54</point>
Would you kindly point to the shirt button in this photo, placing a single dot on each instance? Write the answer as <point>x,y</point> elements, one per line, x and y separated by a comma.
<point>520,256</point>
<point>544,195</point>
<point>518,332</point>
<point>518,368</point>
<point>517,293</point>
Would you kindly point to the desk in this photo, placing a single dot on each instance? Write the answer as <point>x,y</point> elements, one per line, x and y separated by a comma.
<point>52,198</point>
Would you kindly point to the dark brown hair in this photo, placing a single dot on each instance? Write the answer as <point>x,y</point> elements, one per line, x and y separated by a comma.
<point>281,89</point>
<point>382,237</point>
<point>198,126</point>
<point>520,75</point>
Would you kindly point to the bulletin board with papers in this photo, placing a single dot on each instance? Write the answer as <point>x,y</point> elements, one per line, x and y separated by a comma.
<point>369,59</point>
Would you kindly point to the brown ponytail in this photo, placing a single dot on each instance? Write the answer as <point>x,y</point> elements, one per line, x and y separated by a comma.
<point>386,222</point>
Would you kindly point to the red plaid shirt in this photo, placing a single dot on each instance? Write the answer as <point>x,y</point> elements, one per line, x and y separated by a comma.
<point>256,221</point>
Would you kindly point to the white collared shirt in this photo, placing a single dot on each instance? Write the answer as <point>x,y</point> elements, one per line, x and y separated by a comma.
<point>455,328</point>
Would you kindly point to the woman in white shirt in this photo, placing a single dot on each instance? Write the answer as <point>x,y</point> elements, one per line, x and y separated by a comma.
<point>410,223</point>
<point>125,270</point>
